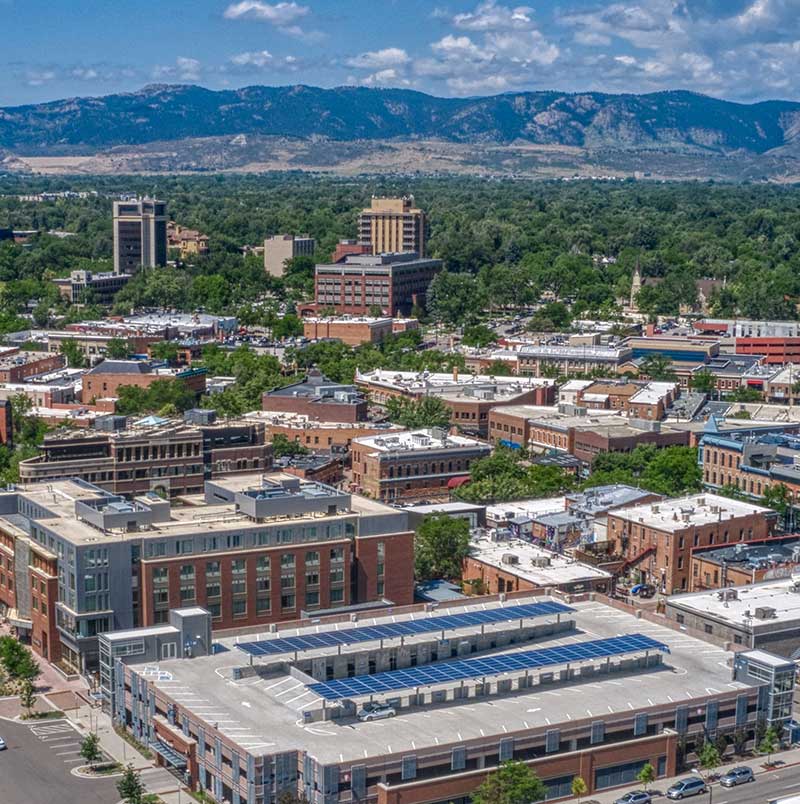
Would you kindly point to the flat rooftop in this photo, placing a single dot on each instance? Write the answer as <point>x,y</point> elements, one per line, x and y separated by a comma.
<point>694,510</point>
<point>740,611</point>
<point>529,508</point>
<point>418,441</point>
<point>529,562</point>
<point>264,715</point>
<point>423,381</point>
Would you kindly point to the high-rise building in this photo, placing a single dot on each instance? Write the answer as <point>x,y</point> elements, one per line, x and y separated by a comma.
<point>392,225</point>
<point>279,248</point>
<point>140,235</point>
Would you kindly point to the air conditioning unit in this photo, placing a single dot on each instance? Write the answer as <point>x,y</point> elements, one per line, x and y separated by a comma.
<point>541,561</point>
<point>765,613</point>
<point>510,558</point>
<point>353,618</point>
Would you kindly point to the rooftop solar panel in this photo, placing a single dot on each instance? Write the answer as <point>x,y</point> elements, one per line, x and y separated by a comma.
<point>424,625</point>
<point>476,668</point>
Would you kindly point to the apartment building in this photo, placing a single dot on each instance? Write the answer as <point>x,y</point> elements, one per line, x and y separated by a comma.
<point>394,282</point>
<point>251,549</point>
<point>412,464</point>
<point>85,287</point>
<point>140,235</point>
<point>643,400</point>
<point>392,225</point>
<point>469,397</point>
<point>106,378</point>
<point>352,330</point>
<point>657,539</point>
<point>309,745</point>
<point>318,398</point>
<point>189,242</point>
<point>280,248</point>
<point>168,457</point>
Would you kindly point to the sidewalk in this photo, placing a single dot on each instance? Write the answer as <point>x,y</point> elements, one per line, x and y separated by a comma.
<point>787,759</point>
<point>157,780</point>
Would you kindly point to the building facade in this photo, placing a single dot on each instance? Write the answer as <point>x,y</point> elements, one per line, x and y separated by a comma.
<point>280,248</point>
<point>392,225</point>
<point>140,235</point>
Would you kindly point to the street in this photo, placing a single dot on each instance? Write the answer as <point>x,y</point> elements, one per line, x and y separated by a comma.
<point>35,769</point>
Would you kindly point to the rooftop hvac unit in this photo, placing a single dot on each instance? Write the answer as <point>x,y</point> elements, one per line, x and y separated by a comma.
<point>510,558</point>
<point>765,613</point>
<point>273,628</point>
<point>431,606</point>
<point>353,618</point>
<point>728,594</point>
<point>541,561</point>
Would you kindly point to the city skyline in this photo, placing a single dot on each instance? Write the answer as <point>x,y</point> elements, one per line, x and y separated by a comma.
<point>744,50</point>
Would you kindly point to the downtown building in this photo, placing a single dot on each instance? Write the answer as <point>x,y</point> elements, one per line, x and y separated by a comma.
<point>140,235</point>
<point>77,561</point>
<point>392,225</point>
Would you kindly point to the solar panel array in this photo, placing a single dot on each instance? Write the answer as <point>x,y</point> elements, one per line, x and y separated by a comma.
<point>348,636</point>
<point>444,672</point>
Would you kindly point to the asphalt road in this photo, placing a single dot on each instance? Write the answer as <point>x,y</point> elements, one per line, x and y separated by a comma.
<point>35,769</point>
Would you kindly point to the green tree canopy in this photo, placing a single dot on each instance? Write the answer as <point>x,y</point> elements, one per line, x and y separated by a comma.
<point>512,783</point>
<point>440,546</point>
<point>428,411</point>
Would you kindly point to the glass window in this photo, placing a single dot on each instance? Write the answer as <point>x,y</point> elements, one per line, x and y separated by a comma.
<point>312,558</point>
<point>287,601</point>
<point>212,568</point>
<point>287,560</point>
<point>238,566</point>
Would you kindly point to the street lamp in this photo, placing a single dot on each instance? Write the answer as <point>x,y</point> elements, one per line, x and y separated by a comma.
<point>707,784</point>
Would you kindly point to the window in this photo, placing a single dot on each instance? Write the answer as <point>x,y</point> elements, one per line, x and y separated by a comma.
<point>160,575</point>
<point>240,607</point>
<point>312,598</point>
<point>337,595</point>
<point>213,590</point>
<point>287,601</point>
<point>262,605</point>
<point>312,558</point>
<point>708,629</point>
<point>212,568</point>
<point>215,610</point>
<point>238,566</point>
<point>337,554</point>
<point>287,561</point>
<point>188,594</point>
<point>312,579</point>
<point>187,572</point>
<point>169,650</point>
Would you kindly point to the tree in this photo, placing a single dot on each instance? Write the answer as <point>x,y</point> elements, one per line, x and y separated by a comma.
<point>17,660</point>
<point>745,394</point>
<point>73,354</point>
<point>282,446</point>
<point>90,748</point>
<point>429,411</point>
<point>657,367</point>
<point>769,743</point>
<point>454,298</point>
<point>708,757</point>
<point>703,382</point>
<point>579,788</point>
<point>647,775</point>
<point>375,311</point>
<point>478,335</point>
<point>117,349</point>
<point>440,547</point>
<point>27,696</point>
<point>130,786</point>
<point>512,783</point>
<point>551,317</point>
<point>164,350</point>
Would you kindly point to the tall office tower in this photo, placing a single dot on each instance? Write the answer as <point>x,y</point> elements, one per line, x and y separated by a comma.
<point>140,235</point>
<point>392,225</point>
<point>280,248</point>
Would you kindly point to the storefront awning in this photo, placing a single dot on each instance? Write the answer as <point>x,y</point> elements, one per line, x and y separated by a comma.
<point>17,621</point>
<point>169,754</point>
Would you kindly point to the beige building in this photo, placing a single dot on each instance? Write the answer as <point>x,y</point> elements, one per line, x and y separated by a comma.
<point>279,248</point>
<point>392,225</point>
<point>140,235</point>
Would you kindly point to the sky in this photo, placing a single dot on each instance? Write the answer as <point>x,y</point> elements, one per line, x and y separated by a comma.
<point>745,50</point>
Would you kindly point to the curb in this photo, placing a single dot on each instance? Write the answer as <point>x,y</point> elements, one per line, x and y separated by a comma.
<point>76,772</point>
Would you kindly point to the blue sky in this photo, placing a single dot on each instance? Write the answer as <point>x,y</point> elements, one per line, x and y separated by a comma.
<point>737,49</point>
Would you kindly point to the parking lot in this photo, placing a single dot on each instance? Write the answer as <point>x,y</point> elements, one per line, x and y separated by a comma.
<point>35,769</point>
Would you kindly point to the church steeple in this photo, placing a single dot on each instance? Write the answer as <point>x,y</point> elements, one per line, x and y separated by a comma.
<point>636,284</point>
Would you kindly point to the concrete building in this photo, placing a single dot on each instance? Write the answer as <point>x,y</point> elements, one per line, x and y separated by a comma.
<point>106,378</point>
<point>550,360</point>
<point>392,225</point>
<point>140,235</point>
<point>782,387</point>
<point>393,282</point>
<point>318,398</point>
<point>748,328</point>
<point>280,248</point>
<point>20,365</point>
<point>412,464</point>
<point>251,549</point>
<point>168,457</point>
<point>300,744</point>
<point>85,287</point>
<point>657,539</point>
<point>764,616</point>
<point>470,398</point>
<point>498,565</point>
<point>352,330</point>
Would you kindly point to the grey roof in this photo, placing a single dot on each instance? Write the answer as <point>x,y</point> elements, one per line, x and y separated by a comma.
<point>121,367</point>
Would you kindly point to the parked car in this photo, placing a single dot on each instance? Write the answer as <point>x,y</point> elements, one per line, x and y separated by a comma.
<point>3,745</point>
<point>635,797</point>
<point>692,786</point>
<point>735,776</point>
<point>375,711</point>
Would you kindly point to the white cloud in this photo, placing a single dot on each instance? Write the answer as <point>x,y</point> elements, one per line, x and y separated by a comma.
<point>382,78</point>
<point>379,59</point>
<point>523,47</point>
<point>488,16</point>
<point>459,47</point>
<point>257,58</point>
<point>280,14</point>
<point>36,77</point>
<point>184,69</point>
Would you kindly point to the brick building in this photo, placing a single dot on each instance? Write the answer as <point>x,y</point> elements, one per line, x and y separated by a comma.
<point>345,248</point>
<point>84,287</point>
<point>107,377</point>
<point>251,549</point>
<point>657,539</point>
<point>18,366</point>
<point>395,283</point>
<point>352,330</point>
<point>168,457</point>
<point>551,359</point>
<point>318,398</point>
<point>412,464</point>
<point>469,397</point>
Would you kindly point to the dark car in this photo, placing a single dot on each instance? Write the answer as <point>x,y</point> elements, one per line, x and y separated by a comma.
<point>693,786</point>
<point>635,797</point>
<point>736,776</point>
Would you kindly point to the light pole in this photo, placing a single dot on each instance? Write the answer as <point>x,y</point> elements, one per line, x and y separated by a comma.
<point>707,784</point>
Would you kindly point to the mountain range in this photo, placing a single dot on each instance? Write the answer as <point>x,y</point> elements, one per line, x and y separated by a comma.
<point>196,126</point>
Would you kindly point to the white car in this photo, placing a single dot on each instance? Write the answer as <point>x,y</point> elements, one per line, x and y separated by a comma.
<point>3,745</point>
<point>375,711</point>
